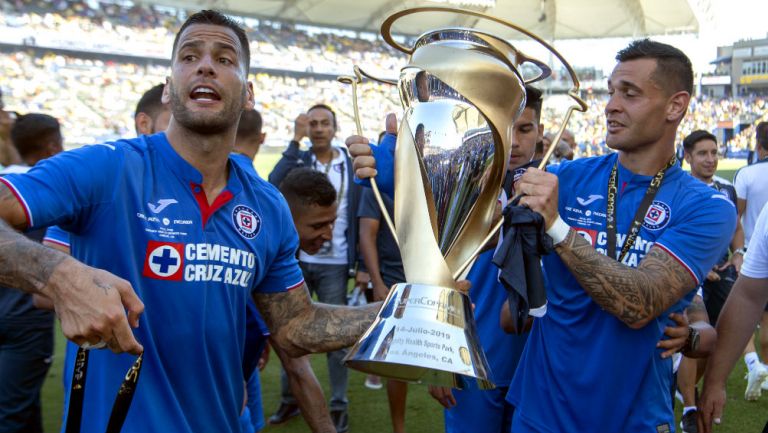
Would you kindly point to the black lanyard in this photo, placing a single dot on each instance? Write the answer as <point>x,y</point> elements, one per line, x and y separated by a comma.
<point>634,229</point>
<point>122,400</point>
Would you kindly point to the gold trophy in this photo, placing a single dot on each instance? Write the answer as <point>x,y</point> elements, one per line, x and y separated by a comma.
<point>461,91</point>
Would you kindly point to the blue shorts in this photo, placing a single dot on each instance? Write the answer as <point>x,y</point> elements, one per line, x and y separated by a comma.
<point>479,411</point>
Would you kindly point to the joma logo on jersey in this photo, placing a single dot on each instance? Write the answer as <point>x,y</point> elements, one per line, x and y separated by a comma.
<point>164,261</point>
<point>246,221</point>
<point>658,215</point>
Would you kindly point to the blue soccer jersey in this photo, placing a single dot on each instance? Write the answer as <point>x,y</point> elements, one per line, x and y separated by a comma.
<point>137,209</point>
<point>583,370</point>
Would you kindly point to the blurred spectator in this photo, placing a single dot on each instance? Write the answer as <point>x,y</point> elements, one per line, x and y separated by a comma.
<point>8,153</point>
<point>63,86</point>
<point>26,333</point>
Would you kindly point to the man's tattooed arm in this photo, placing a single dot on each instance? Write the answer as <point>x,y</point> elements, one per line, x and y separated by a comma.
<point>634,295</point>
<point>301,326</point>
<point>24,264</point>
<point>90,303</point>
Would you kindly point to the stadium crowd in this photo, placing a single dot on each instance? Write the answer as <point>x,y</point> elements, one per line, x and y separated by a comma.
<point>146,31</point>
<point>53,99</point>
<point>62,85</point>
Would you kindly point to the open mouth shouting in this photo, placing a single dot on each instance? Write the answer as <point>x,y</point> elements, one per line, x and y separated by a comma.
<point>204,94</point>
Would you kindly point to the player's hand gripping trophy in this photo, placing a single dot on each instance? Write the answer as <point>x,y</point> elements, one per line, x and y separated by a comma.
<point>462,91</point>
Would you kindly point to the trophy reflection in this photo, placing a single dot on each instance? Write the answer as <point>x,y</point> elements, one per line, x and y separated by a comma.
<point>461,92</point>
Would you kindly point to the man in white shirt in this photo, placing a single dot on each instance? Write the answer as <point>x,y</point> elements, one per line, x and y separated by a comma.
<point>738,319</point>
<point>750,183</point>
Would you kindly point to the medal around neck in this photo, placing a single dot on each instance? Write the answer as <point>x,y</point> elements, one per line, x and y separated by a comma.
<point>462,92</point>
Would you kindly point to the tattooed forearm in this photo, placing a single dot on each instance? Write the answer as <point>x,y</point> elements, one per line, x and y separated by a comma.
<point>24,264</point>
<point>635,296</point>
<point>301,326</point>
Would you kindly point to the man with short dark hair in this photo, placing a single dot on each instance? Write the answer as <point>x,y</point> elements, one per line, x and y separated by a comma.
<point>249,136</point>
<point>701,153</point>
<point>152,115</point>
<point>327,271</point>
<point>312,200</point>
<point>26,333</point>
<point>36,136</point>
<point>633,236</point>
<point>197,234</point>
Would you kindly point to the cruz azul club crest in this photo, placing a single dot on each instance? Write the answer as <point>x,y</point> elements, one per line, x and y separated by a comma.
<point>658,215</point>
<point>246,221</point>
<point>164,261</point>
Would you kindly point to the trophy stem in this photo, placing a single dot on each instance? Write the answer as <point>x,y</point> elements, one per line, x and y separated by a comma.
<point>477,250</point>
<point>354,81</point>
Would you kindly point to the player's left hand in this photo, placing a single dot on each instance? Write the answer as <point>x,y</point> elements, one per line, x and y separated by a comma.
<point>540,192</point>
<point>677,335</point>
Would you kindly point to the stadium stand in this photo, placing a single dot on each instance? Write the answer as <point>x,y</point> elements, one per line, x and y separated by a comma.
<point>53,54</point>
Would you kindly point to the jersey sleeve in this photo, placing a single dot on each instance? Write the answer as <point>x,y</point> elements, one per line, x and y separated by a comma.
<point>65,188</point>
<point>756,260</point>
<point>57,235</point>
<point>701,233</point>
<point>283,273</point>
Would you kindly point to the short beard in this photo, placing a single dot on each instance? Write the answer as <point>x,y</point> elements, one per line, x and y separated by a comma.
<point>206,124</point>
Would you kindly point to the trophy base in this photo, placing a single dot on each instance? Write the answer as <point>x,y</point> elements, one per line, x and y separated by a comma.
<point>423,334</point>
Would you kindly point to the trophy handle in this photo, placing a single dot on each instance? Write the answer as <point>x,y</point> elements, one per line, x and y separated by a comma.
<point>359,71</point>
<point>354,81</point>
<point>543,67</point>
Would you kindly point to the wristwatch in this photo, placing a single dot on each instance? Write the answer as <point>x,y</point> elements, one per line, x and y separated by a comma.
<point>692,342</point>
<point>742,251</point>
